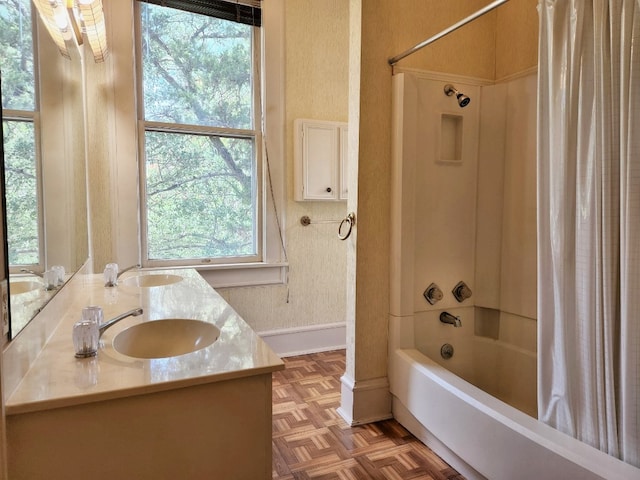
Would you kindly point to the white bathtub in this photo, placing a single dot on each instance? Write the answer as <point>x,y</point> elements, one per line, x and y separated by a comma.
<point>483,437</point>
<point>496,367</point>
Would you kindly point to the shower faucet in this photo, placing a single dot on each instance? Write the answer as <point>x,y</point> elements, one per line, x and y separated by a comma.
<point>461,291</point>
<point>446,317</point>
<point>433,294</point>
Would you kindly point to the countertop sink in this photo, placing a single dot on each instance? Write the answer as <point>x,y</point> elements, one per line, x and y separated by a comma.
<point>165,338</point>
<point>17,288</point>
<point>151,280</point>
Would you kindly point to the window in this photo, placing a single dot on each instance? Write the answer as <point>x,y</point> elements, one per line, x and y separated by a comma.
<point>20,125</point>
<point>202,196</point>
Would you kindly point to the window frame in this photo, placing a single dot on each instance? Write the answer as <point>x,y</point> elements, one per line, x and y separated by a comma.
<point>33,117</point>
<point>254,134</point>
<point>125,184</point>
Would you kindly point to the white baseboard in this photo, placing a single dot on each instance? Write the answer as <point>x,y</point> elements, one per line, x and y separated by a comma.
<point>288,342</point>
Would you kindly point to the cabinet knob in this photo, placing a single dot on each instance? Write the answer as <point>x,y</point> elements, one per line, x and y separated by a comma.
<point>328,189</point>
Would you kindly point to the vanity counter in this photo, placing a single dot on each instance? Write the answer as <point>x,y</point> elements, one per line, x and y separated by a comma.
<point>57,379</point>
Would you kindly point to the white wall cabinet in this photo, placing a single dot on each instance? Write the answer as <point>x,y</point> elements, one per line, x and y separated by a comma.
<point>320,152</point>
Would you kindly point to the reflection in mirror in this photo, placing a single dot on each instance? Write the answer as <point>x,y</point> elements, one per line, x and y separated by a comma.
<point>45,186</point>
<point>3,223</point>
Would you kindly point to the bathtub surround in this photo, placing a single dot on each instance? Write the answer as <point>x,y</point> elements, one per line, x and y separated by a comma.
<point>589,228</point>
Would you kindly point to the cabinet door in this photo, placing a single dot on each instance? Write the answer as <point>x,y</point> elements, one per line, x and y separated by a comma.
<point>317,151</point>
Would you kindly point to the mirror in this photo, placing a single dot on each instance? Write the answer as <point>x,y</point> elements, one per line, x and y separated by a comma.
<point>3,223</point>
<point>44,156</point>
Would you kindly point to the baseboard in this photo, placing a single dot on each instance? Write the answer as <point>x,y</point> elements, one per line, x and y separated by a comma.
<point>289,342</point>
<point>365,401</point>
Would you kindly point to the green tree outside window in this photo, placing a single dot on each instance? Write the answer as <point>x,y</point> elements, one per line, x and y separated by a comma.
<point>200,144</point>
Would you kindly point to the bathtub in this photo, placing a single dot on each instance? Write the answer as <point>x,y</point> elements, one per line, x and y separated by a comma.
<point>478,434</point>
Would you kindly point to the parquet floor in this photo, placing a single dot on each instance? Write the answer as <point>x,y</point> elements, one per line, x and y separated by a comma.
<point>311,441</point>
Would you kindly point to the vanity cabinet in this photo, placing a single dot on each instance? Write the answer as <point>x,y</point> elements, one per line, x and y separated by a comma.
<point>215,430</point>
<point>199,415</point>
<point>320,153</point>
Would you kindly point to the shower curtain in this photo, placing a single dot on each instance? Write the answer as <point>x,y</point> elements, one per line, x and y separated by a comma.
<point>589,222</point>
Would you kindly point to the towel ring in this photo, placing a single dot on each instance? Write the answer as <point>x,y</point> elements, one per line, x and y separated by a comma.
<point>349,220</point>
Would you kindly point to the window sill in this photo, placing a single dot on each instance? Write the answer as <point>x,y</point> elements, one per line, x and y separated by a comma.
<point>244,275</point>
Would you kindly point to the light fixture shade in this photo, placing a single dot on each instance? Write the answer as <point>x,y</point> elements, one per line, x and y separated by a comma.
<point>53,15</point>
<point>67,20</point>
<point>94,28</point>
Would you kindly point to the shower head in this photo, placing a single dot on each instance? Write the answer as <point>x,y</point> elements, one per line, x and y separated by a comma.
<point>463,100</point>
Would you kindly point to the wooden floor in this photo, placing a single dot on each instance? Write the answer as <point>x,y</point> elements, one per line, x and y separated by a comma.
<point>311,441</point>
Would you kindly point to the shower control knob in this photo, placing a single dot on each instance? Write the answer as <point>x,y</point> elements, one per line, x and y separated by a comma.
<point>433,294</point>
<point>461,291</point>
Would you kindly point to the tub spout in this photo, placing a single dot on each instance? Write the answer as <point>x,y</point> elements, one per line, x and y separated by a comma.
<point>131,313</point>
<point>446,317</point>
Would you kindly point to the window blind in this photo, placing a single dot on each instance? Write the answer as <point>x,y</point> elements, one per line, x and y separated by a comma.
<point>242,11</point>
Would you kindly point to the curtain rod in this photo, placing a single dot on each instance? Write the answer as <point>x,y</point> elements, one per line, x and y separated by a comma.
<point>446,31</point>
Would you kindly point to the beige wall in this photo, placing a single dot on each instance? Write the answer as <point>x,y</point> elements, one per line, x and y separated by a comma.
<point>316,87</point>
<point>516,38</point>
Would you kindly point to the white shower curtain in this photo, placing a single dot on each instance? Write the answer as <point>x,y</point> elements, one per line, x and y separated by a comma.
<point>589,222</point>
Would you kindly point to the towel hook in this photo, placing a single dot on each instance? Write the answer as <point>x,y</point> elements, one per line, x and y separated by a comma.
<point>349,220</point>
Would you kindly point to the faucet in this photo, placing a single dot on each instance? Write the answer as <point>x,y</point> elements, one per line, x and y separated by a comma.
<point>131,313</point>
<point>37,274</point>
<point>446,317</point>
<point>110,275</point>
<point>137,265</point>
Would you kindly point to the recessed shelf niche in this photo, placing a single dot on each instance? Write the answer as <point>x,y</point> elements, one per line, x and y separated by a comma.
<point>451,128</point>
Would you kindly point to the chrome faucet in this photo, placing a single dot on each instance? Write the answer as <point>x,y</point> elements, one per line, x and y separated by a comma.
<point>446,317</point>
<point>37,274</point>
<point>137,265</point>
<point>111,274</point>
<point>131,313</point>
